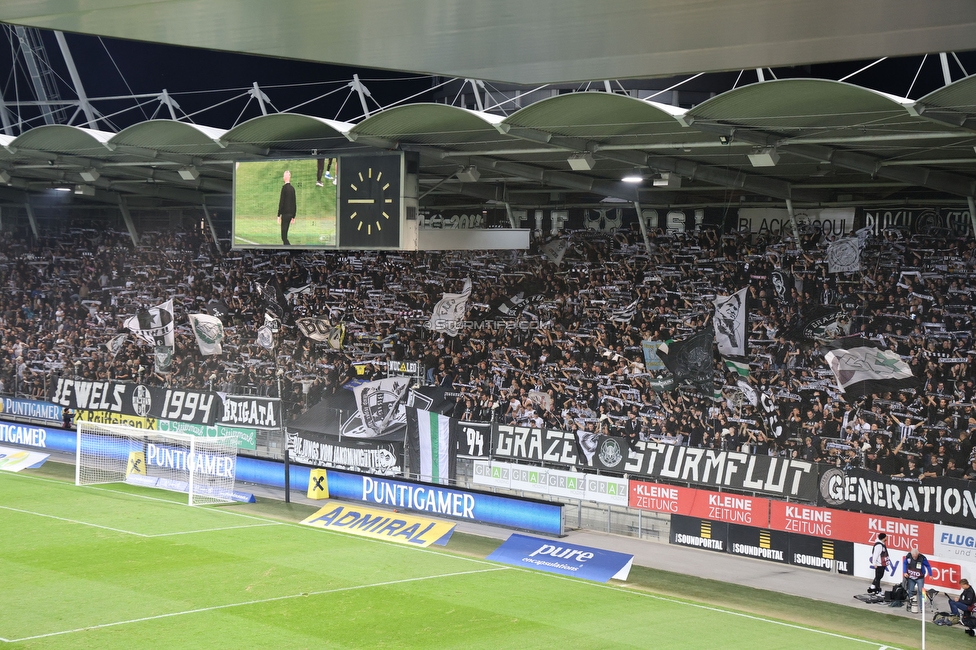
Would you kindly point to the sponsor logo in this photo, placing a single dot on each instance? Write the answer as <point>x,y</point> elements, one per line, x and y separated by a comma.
<point>17,434</point>
<point>699,542</point>
<point>141,401</point>
<point>418,497</point>
<point>381,524</point>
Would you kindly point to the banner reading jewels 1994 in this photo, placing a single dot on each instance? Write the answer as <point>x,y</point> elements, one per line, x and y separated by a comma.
<point>945,500</point>
<point>180,405</point>
<point>782,477</point>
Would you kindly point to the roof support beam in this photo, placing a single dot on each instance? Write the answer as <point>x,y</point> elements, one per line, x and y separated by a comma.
<point>870,165</point>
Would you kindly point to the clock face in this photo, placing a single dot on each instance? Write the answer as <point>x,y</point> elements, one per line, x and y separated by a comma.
<point>369,201</point>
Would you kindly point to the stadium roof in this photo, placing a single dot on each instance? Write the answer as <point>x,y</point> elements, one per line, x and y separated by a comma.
<point>544,41</point>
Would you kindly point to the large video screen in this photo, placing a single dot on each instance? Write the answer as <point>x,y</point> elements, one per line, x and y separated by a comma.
<point>285,203</point>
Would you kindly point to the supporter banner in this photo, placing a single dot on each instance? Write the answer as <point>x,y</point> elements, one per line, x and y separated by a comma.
<point>324,450</point>
<point>940,500</point>
<point>135,399</point>
<point>922,221</point>
<point>250,411</point>
<point>774,221</point>
<point>759,543</point>
<point>784,477</point>
<point>11,407</point>
<point>602,453</point>
<point>14,460</point>
<point>534,445</point>
<point>699,533</point>
<point>524,514</point>
<point>107,417</point>
<point>563,558</point>
<point>473,439</point>
<point>823,554</point>
<point>381,524</point>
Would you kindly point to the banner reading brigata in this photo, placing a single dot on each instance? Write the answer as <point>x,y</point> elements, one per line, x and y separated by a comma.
<point>250,411</point>
<point>135,399</point>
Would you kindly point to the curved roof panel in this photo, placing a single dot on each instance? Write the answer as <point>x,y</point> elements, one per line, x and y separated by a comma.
<point>169,135</point>
<point>286,127</point>
<point>595,116</point>
<point>799,104</point>
<point>64,139</point>
<point>431,124</point>
<point>958,96</point>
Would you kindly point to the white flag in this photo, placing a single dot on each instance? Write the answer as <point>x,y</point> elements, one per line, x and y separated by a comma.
<point>449,311</point>
<point>154,325</point>
<point>844,255</point>
<point>208,331</point>
<point>730,324</point>
<point>115,344</point>
<point>266,333</point>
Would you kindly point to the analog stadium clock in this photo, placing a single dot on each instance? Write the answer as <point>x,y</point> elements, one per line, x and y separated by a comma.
<point>369,201</point>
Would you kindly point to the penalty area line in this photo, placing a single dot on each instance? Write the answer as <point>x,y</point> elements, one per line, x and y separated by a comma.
<point>214,608</point>
<point>75,521</point>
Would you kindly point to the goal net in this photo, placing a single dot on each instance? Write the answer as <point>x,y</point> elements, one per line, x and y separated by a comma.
<point>202,467</point>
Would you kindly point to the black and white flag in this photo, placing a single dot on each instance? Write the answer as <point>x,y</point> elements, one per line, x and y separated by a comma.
<point>380,405</point>
<point>449,311</point>
<point>266,333</point>
<point>163,359</point>
<point>154,325</point>
<point>315,328</point>
<point>555,250</point>
<point>690,360</point>
<point>626,313</point>
<point>730,324</point>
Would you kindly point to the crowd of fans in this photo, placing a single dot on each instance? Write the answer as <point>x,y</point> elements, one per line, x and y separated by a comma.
<point>545,343</point>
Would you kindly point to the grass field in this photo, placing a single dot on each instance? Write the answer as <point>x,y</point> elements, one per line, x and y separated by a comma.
<point>257,186</point>
<point>121,567</point>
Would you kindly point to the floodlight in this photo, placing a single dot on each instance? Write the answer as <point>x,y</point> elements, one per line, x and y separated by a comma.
<point>469,174</point>
<point>90,175</point>
<point>189,173</point>
<point>581,162</point>
<point>634,176</point>
<point>764,158</point>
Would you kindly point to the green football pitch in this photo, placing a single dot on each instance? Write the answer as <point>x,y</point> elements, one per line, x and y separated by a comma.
<point>120,567</point>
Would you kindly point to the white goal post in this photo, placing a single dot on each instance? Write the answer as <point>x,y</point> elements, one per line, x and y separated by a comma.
<point>202,467</point>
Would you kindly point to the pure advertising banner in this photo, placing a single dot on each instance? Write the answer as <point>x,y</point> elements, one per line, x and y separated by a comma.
<point>563,558</point>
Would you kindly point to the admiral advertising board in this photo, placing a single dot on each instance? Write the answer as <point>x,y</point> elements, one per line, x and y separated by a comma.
<point>135,399</point>
<point>944,500</point>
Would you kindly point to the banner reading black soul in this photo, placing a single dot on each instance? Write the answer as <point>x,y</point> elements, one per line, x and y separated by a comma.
<point>945,500</point>
<point>368,456</point>
<point>181,405</point>
<point>781,477</point>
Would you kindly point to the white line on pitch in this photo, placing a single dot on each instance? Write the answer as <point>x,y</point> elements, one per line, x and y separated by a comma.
<point>212,530</point>
<point>720,610</point>
<point>254,602</point>
<point>74,521</point>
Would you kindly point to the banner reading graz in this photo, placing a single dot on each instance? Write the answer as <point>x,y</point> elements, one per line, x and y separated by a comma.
<point>784,477</point>
<point>946,500</point>
<point>135,399</point>
<point>324,450</point>
<point>250,411</point>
